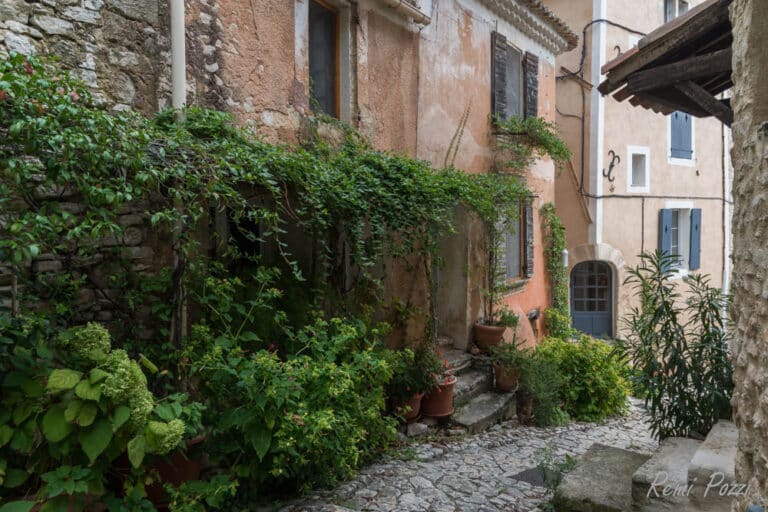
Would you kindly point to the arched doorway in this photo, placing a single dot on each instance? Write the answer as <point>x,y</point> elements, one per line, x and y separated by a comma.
<point>591,298</point>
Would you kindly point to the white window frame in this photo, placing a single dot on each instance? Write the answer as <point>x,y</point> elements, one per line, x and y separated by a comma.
<point>301,50</point>
<point>684,162</point>
<point>639,150</point>
<point>677,12</point>
<point>684,235</point>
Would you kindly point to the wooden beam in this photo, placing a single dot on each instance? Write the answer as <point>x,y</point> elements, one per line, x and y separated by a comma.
<point>672,104</point>
<point>708,19</point>
<point>701,66</point>
<point>706,101</point>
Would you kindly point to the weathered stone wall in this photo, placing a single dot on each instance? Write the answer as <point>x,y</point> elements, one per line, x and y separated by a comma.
<point>750,227</point>
<point>120,48</point>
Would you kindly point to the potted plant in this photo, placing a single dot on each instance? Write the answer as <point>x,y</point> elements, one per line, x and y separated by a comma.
<point>413,377</point>
<point>507,360</point>
<point>438,402</point>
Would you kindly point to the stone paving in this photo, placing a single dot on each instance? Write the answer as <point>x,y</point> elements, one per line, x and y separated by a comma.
<point>476,473</point>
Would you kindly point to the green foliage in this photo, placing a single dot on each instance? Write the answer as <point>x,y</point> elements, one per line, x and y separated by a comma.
<point>510,355</point>
<point>541,380</point>
<point>593,387</point>
<point>71,402</point>
<point>557,318</point>
<point>525,139</point>
<point>202,496</point>
<point>553,468</point>
<point>309,419</point>
<point>678,346</point>
<point>414,371</point>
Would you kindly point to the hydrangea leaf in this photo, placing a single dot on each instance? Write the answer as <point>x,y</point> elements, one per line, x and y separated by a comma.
<point>88,391</point>
<point>17,506</point>
<point>122,414</point>
<point>55,427</point>
<point>72,410</point>
<point>63,379</point>
<point>96,438</point>
<point>87,414</point>
<point>136,449</point>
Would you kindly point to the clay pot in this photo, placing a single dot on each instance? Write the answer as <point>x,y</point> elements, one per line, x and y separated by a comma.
<point>412,406</point>
<point>175,470</point>
<point>487,336</point>
<point>506,379</point>
<point>438,403</point>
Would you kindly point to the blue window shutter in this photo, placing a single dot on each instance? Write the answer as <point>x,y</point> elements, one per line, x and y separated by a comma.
<point>682,136</point>
<point>665,231</point>
<point>694,260</point>
<point>528,241</point>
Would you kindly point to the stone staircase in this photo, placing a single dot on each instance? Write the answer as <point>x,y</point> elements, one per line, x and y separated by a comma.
<point>684,475</point>
<point>477,405</point>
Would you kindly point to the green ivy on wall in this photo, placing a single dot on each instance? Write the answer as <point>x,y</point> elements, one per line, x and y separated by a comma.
<point>557,317</point>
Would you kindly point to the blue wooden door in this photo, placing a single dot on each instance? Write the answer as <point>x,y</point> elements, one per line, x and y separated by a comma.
<point>591,304</point>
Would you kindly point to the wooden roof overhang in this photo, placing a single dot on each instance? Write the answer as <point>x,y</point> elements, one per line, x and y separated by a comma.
<point>682,65</point>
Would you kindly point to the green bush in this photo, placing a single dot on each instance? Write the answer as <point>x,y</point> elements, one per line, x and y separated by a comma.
<point>678,346</point>
<point>541,379</point>
<point>302,421</point>
<point>558,324</point>
<point>593,384</point>
<point>70,405</point>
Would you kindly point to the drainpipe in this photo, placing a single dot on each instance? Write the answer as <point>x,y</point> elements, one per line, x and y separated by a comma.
<point>178,55</point>
<point>726,211</point>
<point>409,10</point>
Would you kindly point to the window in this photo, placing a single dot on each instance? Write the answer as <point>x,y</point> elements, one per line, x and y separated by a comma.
<point>515,253</point>
<point>324,57</point>
<point>681,138</point>
<point>674,8</point>
<point>680,236</point>
<point>514,80</point>
<point>638,169</point>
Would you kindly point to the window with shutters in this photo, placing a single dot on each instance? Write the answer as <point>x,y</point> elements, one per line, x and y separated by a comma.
<point>681,138</point>
<point>514,80</point>
<point>324,24</point>
<point>516,251</point>
<point>638,169</point>
<point>680,236</point>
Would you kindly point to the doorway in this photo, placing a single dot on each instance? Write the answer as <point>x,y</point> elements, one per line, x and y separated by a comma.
<point>591,298</point>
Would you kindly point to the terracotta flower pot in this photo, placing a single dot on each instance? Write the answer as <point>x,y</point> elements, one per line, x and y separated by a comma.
<point>439,402</point>
<point>487,336</point>
<point>409,409</point>
<point>176,470</point>
<point>507,379</point>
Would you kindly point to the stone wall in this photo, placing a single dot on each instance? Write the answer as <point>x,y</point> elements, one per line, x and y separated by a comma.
<point>750,227</point>
<point>120,48</point>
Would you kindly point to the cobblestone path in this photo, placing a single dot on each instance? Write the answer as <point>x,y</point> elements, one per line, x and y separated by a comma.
<point>476,473</point>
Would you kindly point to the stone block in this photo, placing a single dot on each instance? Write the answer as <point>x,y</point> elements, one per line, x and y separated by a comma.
<point>665,476</point>
<point>82,15</point>
<point>19,43</point>
<point>484,410</point>
<point>140,10</point>
<point>15,10</point>
<point>713,468</point>
<point>600,482</point>
<point>54,26</point>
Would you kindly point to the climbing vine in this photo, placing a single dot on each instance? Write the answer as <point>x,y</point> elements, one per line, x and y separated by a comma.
<point>521,140</point>
<point>557,317</point>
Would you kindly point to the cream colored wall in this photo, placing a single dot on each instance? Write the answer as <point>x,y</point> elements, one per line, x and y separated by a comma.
<point>630,223</point>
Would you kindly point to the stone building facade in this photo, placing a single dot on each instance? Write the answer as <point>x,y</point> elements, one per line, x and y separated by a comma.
<point>406,74</point>
<point>750,283</point>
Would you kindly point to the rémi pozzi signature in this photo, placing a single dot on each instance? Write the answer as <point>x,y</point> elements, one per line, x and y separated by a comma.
<point>716,486</point>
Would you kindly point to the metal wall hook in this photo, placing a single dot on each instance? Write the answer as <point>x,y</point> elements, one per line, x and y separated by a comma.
<point>615,160</point>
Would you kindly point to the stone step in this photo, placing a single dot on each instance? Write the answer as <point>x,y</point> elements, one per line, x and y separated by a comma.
<point>459,360</point>
<point>713,466</point>
<point>471,384</point>
<point>601,481</point>
<point>485,410</point>
<point>445,341</point>
<point>663,479</point>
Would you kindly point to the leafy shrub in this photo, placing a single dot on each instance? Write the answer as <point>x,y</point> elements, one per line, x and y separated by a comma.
<point>306,420</point>
<point>541,380</point>
<point>414,371</point>
<point>593,385</point>
<point>558,324</point>
<point>72,403</point>
<point>678,346</point>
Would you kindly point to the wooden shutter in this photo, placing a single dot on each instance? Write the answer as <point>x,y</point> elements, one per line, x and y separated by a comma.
<point>682,140</point>
<point>665,230</point>
<point>531,85</point>
<point>528,248</point>
<point>499,48</point>
<point>694,259</point>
